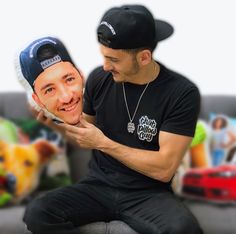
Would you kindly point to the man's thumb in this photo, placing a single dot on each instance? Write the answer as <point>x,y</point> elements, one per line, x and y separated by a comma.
<point>83,122</point>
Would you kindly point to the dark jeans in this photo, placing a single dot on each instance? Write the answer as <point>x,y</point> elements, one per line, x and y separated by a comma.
<point>150,211</point>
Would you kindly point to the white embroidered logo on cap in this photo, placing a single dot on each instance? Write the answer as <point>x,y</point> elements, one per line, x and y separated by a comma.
<point>109,26</point>
<point>49,62</point>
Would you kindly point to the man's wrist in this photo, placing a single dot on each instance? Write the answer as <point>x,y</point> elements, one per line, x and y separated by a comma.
<point>105,144</point>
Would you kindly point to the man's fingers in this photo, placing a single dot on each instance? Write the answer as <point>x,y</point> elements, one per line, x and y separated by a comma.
<point>83,122</point>
<point>69,128</point>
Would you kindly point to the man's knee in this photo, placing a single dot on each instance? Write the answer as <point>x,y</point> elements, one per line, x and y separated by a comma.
<point>41,212</point>
<point>33,213</point>
<point>187,224</point>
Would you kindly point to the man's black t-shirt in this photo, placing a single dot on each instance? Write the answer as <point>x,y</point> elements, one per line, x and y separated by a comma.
<point>170,103</point>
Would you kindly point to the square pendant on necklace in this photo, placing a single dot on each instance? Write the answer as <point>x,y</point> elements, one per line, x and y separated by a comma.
<point>131,127</point>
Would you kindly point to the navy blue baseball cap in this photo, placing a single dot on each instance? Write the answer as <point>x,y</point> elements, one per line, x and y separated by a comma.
<point>131,27</point>
<point>30,63</point>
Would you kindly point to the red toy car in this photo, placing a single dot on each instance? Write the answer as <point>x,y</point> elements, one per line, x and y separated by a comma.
<point>217,183</point>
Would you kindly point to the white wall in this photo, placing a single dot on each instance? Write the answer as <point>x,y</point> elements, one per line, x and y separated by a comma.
<point>202,48</point>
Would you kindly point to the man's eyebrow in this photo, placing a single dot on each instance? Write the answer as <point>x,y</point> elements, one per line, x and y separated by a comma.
<point>109,57</point>
<point>67,75</point>
<point>64,77</point>
<point>46,86</point>
<point>72,74</point>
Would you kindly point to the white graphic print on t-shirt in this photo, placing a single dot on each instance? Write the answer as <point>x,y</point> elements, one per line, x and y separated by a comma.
<point>146,128</point>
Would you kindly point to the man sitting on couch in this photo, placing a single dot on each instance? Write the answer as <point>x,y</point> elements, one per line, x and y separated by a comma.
<point>139,119</point>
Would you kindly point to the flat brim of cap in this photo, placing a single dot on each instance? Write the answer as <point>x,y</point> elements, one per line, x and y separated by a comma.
<point>164,30</point>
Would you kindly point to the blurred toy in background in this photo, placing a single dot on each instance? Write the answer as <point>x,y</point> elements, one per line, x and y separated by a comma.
<point>56,172</point>
<point>231,155</point>
<point>211,172</point>
<point>196,157</point>
<point>222,138</point>
<point>177,181</point>
<point>22,165</point>
<point>215,184</point>
<point>212,175</point>
<point>199,149</point>
<point>11,133</point>
<point>31,156</point>
<point>5,188</point>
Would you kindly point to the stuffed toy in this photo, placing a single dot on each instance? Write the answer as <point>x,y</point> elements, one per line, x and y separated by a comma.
<point>21,167</point>
<point>199,149</point>
<point>223,138</point>
<point>8,130</point>
<point>231,155</point>
<point>5,195</point>
<point>196,156</point>
<point>32,157</point>
<point>11,133</point>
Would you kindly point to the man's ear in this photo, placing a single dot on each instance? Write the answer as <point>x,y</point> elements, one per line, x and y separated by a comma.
<point>36,99</point>
<point>144,57</point>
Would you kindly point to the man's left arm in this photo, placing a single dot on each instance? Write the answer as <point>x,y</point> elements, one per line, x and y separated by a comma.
<point>160,165</point>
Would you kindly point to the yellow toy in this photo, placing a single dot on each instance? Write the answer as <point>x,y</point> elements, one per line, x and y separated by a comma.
<point>22,165</point>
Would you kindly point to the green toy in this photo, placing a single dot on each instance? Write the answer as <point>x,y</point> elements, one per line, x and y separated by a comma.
<point>5,198</point>
<point>8,131</point>
<point>200,134</point>
<point>199,152</point>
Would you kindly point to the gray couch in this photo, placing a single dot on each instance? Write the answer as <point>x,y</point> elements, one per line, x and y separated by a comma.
<point>14,105</point>
<point>213,218</point>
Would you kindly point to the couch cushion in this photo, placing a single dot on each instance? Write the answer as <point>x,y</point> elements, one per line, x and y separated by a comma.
<point>11,223</point>
<point>113,227</point>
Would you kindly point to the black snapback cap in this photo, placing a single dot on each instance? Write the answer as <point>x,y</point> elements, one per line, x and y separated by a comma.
<point>30,64</point>
<point>131,27</point>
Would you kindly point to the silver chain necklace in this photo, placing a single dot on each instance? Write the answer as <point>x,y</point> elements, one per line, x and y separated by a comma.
<point>130,125</point>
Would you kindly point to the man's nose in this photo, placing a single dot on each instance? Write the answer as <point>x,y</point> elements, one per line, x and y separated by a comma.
<point>107,66</point>
<point>65,94</point>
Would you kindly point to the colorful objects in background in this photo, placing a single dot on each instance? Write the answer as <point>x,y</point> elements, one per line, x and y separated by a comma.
<point>199,151</point>
<point>10,132</point>
<point>212,173</point>
<point>217,183</point>
<point>5,188</point>
<point>222,138</point>
<point>30,154</point>
<point>23,164</point>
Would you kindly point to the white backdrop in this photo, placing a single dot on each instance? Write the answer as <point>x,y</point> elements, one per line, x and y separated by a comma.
<point>203,46</point>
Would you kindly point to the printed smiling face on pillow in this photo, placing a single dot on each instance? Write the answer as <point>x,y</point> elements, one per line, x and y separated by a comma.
<point>51,79</point>
<point>23,164</point>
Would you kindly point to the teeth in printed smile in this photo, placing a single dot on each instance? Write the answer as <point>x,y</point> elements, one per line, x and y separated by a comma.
<point>70,108</point>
